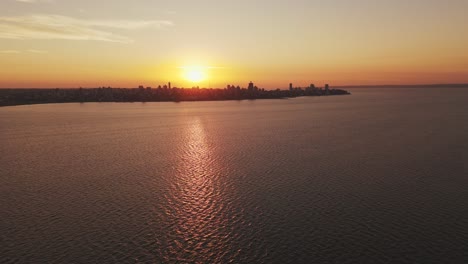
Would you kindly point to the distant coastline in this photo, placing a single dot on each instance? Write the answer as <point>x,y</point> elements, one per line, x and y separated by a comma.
<point>12,97</point>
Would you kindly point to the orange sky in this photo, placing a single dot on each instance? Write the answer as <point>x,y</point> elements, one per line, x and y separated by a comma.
<point>119,43</point>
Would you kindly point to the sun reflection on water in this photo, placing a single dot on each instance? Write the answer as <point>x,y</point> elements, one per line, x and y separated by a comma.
<point>199,231</point>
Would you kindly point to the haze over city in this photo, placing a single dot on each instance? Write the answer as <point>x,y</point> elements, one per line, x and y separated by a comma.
<point>119,43</point>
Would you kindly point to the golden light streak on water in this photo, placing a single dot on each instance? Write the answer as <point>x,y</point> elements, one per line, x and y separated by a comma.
<point>198,206</point>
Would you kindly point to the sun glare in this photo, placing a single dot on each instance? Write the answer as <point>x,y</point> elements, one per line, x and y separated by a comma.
<point>194,74</point>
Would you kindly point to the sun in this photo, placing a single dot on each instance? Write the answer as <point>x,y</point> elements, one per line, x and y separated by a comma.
<point>194,74</point>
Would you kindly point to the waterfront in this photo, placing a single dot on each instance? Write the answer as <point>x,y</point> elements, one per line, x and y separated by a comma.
<point>376,177</point>
<point>11,97</point>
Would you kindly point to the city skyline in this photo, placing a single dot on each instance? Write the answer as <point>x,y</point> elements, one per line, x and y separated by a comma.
<point>70,44</point>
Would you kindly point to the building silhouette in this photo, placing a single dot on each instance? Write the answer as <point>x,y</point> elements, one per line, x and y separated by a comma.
<point>251,86</point>
<point>161,94</point>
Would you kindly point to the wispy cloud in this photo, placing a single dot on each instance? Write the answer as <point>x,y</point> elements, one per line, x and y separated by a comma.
<point>64,27</point>
<point>34,1</point>
<point>10,51</point>
<point>20,51</point>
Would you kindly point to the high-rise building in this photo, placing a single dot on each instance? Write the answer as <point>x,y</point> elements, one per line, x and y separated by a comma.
<point>169,85</point>
<point>251,86</point>
<point>290,87</point>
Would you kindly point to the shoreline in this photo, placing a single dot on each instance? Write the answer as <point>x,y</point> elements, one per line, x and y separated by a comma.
<point>184,101</point>
<point>16,97</point>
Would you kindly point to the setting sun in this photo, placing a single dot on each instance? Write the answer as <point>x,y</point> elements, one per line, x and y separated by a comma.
<point>194,74</point>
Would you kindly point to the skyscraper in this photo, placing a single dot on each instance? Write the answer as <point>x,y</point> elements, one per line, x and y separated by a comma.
<point>251,86</point>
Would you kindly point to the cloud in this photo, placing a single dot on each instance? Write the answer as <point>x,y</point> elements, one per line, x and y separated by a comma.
<point>10,51</point>
<point>19,51</point>
<point>34,1</point>
<point>69,28</point>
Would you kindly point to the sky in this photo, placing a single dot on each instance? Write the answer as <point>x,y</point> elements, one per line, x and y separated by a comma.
<point>208,43</point>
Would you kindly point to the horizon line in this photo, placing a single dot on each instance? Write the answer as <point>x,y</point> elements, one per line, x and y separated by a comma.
<point>331,86</point>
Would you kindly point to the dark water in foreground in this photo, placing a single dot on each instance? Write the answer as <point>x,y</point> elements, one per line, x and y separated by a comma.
<point>377,177</point>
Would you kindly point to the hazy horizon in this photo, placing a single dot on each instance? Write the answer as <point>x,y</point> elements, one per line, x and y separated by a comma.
<point>428,85</point>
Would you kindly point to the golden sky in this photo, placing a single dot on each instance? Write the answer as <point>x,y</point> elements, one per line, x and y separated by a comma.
<point>208,43</point>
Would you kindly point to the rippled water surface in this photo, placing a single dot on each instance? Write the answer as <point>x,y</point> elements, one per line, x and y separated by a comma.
<point>377,177</point>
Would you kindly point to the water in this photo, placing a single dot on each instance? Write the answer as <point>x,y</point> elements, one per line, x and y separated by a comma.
<point>377,177</point>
